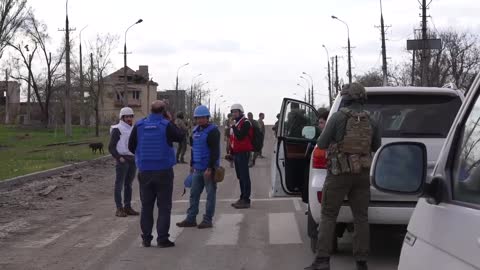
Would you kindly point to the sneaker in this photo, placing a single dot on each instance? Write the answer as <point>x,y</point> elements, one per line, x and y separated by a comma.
<point>242,205</point>
<point>146,243</point>
<point>320,264</point>
<point>130,212</point>
<point>120,213</point>
<point>186,224</point>
<point>362,265</point>
<point>166,244</point>
<point>205,225</point>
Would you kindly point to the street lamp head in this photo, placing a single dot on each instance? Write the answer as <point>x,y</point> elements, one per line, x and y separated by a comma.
<point>334,17</point>
<point>139,21</point>
<point>304,73</point>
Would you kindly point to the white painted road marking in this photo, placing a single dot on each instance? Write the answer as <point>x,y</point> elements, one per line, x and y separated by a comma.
<point>253,200</point>
<point>117,229</point>
<point>283,229</point>
<point>13,226</point>
<point>226,230</point>
<point>69,224</point>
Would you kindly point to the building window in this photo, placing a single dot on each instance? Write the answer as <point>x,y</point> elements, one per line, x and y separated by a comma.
<point>136,95</point>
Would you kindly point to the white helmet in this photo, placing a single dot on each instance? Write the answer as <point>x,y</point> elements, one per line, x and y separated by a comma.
<point>125,111</point>
<point>237,106</point>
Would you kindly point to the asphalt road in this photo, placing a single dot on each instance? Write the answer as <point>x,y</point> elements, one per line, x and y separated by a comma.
<point>75,228</point>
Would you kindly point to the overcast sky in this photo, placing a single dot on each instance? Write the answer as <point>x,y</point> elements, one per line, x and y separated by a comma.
<point>253,51</point>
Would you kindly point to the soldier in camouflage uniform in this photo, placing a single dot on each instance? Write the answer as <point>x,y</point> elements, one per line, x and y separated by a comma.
<point>351,137</point>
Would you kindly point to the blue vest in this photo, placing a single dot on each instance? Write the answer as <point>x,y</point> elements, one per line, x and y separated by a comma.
<point>153,151</point>
<point>200,150</point>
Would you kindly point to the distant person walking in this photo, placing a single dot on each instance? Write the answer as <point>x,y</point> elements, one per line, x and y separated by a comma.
<point>240,147</point>
<point>125,167</point>
<point>261,125</point>
<point>152,142</point>
<point>253,155</point>
<point>205,160</point>
<point>182,146</point>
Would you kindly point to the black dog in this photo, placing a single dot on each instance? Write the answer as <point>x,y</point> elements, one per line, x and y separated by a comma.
<point>95,147</point>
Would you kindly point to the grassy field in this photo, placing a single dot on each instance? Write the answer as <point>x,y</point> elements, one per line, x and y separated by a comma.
<point>26,150</point>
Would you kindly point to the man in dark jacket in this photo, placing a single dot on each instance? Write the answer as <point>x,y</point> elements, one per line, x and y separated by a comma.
<point>152,143</point>
<point>205,159</point>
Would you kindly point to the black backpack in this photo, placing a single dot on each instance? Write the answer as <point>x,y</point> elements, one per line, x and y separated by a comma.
<point>257,139</point>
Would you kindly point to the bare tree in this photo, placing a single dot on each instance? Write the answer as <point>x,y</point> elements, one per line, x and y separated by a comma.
<point>12,16</point>
<point>42,82</point>
<point>371,78</point>
<point>457,61</point>
<point>101,52</point>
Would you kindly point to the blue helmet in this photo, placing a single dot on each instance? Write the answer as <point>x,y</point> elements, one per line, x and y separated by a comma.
<point>201,111</point>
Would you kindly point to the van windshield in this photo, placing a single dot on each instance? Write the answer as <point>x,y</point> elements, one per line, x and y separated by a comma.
<point>413,116</point>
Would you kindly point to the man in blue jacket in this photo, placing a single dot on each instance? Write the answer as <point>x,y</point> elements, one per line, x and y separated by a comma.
<point>205,143</point>
<point>151,142</point>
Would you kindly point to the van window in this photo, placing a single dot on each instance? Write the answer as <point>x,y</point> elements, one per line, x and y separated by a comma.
<point>466,178</point>
<point>297,117</point>
<point>413,116</point>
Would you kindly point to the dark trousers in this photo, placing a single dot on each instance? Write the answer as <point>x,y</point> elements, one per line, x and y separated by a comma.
<point>243,174</point>
<point>125,173</point>
<point>182,149</point>
<point>156,186</point>
<point>357,188</point>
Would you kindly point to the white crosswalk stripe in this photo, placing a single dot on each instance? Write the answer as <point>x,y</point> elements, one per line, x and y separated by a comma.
<point>283,229</point>
<point>226,230</point>
<point>115,230</point>
<point>68,225</point>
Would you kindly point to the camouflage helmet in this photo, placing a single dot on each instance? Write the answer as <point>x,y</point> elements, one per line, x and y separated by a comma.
<point>354,91</point>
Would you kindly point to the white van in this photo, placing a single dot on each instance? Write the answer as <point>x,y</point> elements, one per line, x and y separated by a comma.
<point>416,114</point>
<point>444,231</point>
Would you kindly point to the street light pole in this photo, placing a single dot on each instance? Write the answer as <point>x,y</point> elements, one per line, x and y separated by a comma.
<point>349,50</point>
<point>176,87</point>
<point>125,94</point>
<point>308,84</point>
<point>311,79</point>
<point>191,96</point>
<point>329,78</point>
<point>305,89</point>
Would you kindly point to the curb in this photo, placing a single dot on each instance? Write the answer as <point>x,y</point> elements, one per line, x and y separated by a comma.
<point>23,179</point>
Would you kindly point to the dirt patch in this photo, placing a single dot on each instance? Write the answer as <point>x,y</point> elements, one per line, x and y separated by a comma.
<point>57,193</point>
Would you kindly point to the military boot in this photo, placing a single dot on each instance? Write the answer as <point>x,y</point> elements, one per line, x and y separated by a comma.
<point>320,263</point>
<point>120,212</point>
<point>186,224</point>
<point>129,211</point>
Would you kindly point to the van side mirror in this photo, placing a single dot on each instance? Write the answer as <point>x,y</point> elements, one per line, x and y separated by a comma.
<point>400,167</point>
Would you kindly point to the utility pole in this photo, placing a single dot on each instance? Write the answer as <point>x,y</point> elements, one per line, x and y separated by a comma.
<point>384,48</point>
<point>329,85</point>
<point>336,76</point>
<point>82,93</point>
<point>413,68</point>
<point>68,97</point>
<point>424,38</point>
<point>7,97</point>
